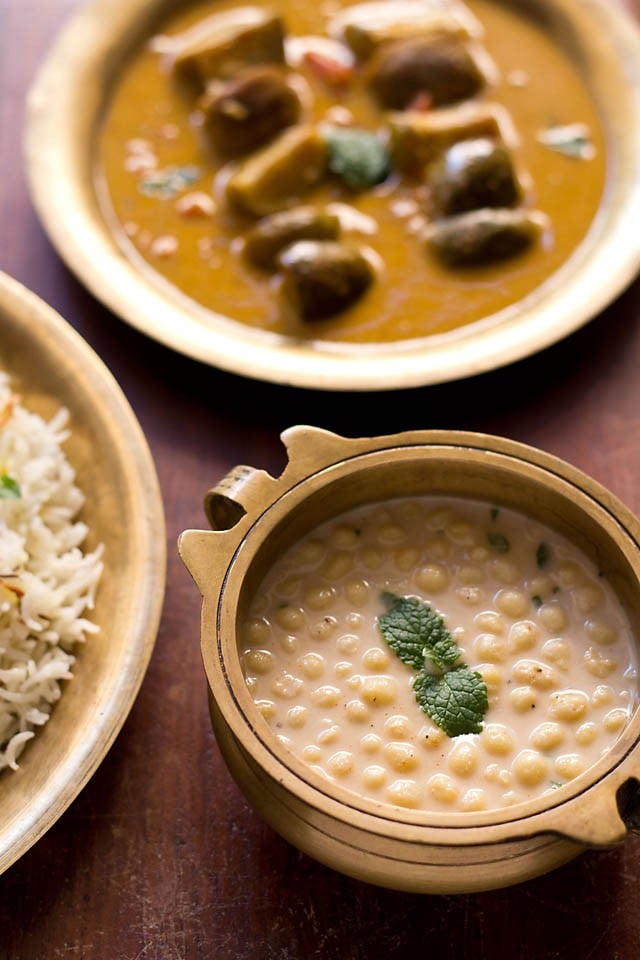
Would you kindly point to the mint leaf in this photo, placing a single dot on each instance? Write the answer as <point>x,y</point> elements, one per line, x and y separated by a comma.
<point>357,156</point>
<point>455,698</point>
<point>414,631</point>
<point>498,542</point>
<point>9,488</point>
<point>456,701</point>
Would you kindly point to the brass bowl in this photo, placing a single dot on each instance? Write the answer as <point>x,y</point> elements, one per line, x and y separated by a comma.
<point>255,517</point>
<point>65,107</point>
<point>51,366</point>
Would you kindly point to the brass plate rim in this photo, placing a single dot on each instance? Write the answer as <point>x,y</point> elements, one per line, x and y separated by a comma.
<point>33,801</point>
<point>63,109</point>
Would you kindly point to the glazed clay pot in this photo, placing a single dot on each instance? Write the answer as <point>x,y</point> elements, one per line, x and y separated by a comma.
<point>255,517</point>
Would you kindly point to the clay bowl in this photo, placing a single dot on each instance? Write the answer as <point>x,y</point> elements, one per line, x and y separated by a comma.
<point>255,517</point>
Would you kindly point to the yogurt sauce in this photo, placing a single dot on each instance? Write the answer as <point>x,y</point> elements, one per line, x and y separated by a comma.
<point>529,611</point>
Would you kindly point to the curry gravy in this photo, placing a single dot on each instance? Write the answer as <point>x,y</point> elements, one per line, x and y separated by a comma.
<point>413,295</point>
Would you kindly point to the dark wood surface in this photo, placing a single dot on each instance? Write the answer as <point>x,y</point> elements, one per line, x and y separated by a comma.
<point>160,856</point>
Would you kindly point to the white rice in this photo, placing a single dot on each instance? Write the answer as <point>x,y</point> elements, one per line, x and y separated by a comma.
<point>47,582</point>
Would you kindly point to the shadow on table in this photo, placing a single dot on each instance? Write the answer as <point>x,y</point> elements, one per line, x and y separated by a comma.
<point>537,396</point>
<point>303,910</point>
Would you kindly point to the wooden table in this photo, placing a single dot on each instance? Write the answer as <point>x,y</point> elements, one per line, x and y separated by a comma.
<point>160,856</point>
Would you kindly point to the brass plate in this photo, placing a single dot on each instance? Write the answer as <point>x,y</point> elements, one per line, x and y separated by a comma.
<point>65,107</point>
<point>124,512</point>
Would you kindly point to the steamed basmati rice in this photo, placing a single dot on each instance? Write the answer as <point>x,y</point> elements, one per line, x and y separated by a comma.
<point>47,582</point>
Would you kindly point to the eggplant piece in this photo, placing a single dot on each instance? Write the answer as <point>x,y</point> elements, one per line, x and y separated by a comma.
<point>366,41</point>
<point>417,138</point>
<point>279,175</point>
<point>220,45</point>
<point>483,237</point>
<point>473,174</point>
<point>365,27</point>
<point>441,68</point>
<point>322,278</point>
<point>272,234</point>
<point>248,112</point>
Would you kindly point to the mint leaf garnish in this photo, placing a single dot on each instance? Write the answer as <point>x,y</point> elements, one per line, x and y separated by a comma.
<point>543,555</point>
<point>498,542</point>
<point>357,156</point>
<point>9,488</point>
<point>457,701</point>
<point>414,631</point>
<point>456,697</point>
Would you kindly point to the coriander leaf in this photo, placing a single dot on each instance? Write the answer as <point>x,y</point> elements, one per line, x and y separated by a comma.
<point>414,631</point>
<point>9,488</point>
<point>357,156</point>
<point>170,181</point>
<point>456,701</point>
<point>495,513</point>
<point>498,542</point>
<point>572,139</point>
<point>543,555</point>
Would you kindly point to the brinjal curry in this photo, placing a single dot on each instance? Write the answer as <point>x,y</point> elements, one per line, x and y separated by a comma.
<point>357,172</point>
